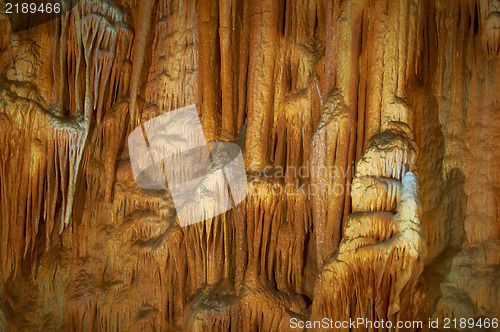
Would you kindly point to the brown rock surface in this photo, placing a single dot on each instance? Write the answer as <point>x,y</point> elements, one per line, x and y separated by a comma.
<point>370,134</point>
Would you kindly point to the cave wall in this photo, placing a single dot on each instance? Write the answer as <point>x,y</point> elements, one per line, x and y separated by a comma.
<point>370,136</point>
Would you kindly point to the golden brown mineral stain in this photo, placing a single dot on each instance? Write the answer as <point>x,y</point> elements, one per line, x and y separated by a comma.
<point>369,130</point>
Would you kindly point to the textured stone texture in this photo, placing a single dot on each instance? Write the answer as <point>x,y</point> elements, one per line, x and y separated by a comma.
<point>370,135</point>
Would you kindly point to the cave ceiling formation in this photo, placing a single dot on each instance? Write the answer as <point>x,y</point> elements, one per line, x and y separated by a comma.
<point>370,136</point>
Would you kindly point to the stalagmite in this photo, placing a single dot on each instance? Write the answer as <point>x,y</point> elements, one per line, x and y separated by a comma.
<point>241,165</point>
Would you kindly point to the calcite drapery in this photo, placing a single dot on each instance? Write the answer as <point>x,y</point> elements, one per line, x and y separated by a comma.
<point>369,130</point>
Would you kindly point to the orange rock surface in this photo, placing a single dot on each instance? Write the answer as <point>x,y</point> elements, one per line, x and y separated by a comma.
<point>370,134</point>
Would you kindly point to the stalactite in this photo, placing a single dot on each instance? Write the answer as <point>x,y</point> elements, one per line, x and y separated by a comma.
<point>370,238</point>
<point>274,242</point>
<point>49,167</point>
<point>261,63</point>
<point>329,169</point>
<point>388,255</point>
<point>491,32</point>
<point>369,134</point>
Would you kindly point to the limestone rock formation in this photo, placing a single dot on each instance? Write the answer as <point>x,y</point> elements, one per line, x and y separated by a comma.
<point>368,129</point>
